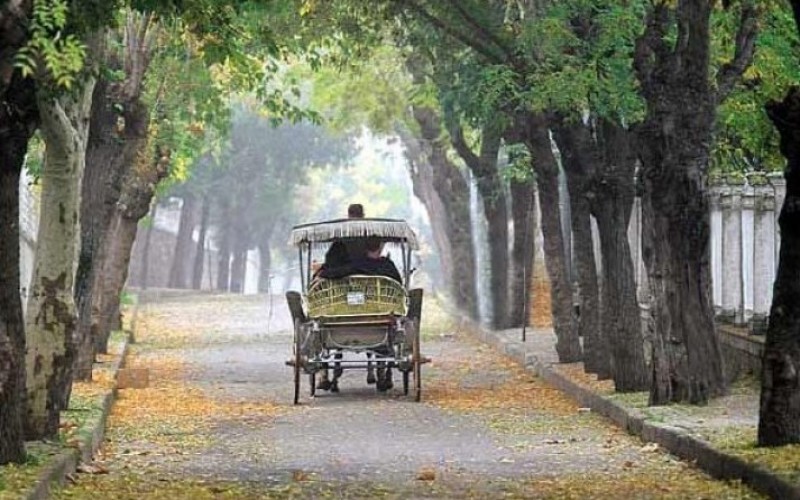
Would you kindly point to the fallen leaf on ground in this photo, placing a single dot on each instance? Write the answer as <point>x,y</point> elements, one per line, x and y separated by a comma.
<point>426,474</point>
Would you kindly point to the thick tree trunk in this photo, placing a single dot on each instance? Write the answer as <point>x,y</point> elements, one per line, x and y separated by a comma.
<point>537,139</point>
<point>137,195</point>
<point>523,210</point>
<point>265,268</point>
<point>51,321</point>
<point>181,259</point>
<point>673,142</point>
<point>779,417</point>
<point>493,197</point>
<point>12,333</point>
<point>573,140</point>
<point>118,133</point>
<point>200,248</point>
<point>445,192</point>
<point>614,194</point>
<point>106,266</point>
<point>110,152</point>
<point>18,118</point>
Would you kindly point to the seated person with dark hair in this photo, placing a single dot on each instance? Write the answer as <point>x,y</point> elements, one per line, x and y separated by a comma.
<point>371,264</point>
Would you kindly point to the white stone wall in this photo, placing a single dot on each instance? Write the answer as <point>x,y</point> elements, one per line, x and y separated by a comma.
<point>744,247</point>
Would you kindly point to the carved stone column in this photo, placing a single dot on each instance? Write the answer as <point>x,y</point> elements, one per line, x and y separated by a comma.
<point>763,253</point>
<point>731,203</point>
<point>715,193</point>
<point>748,244</point>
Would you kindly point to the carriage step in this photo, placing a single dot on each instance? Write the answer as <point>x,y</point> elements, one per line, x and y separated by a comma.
<point>357,363</point>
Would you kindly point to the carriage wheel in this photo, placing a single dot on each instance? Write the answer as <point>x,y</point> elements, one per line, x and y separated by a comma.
<point>416,357</point>
<point>297,359</point>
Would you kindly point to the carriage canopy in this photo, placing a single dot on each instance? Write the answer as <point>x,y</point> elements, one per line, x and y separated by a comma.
<point>390,230</point>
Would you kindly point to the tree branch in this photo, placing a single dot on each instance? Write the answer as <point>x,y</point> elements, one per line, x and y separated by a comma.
<point>508,54</point>
<point>462,148</point>
<point>746,35</point>
<point>650,50</point>
<point>467,39</point>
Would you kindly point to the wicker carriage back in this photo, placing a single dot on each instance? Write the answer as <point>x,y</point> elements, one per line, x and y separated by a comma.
<point>356,296</point>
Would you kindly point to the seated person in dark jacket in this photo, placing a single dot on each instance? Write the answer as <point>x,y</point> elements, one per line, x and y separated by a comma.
<point>371,264</point>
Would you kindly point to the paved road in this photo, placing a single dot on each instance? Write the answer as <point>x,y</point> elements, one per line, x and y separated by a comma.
<point>218,418</point>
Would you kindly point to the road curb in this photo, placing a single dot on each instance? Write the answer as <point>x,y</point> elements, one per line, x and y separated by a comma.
<point>89,439</point>
<point>715,462</point>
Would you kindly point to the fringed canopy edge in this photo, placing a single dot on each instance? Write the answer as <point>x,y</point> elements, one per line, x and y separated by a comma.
<point>323,232</point>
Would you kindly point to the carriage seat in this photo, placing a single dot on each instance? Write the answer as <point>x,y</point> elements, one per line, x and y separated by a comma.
<point>356,296</point>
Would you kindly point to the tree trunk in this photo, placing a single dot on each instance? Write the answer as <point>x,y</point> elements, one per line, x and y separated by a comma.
<point>445,192</point>
<point>239,264</point>
<point>179,271</point>
<point>110,152</point>
<point>574,140</point>
<point>51,321</point>
<point>779,417</point>
<point>200,249</point>
<point>224,253</point>
<point>18,118</point>
<point>537,139</point>
<point>614,194</point>
<point>492,192</point>
<point>523,209</point>
<point>265,267</point>
<point>137,194</point>
<point>673,142</point>
<point>117,134</point>
<point>148,238</point>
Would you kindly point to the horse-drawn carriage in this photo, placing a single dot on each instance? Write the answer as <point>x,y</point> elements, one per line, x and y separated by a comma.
<point>360,320</point>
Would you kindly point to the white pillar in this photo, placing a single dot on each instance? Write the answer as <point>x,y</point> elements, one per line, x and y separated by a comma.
<point>748,207</point>
<point>763,253</point>
<point>715,193</point>
<point>732,252</point>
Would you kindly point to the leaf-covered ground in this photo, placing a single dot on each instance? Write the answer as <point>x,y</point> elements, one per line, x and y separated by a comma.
<point>217,422</point>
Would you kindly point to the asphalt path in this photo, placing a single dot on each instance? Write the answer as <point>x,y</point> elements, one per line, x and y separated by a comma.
<point>483,428</point>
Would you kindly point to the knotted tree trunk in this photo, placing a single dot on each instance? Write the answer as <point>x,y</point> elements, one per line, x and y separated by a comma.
<point>137,195</point>
<point>779,418</point>
<point>574,141</point>
<point>52,319</point>
<point>673,142</point>
<point>523,210</point>
<point>117,135</point>
<point>18,119</point>
<point>444,190</point>
<point>614,194</point>
<point>537,139</point>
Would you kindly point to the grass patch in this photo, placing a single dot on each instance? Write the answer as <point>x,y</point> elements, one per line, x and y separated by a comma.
<point>741,442</point>
<point>630,399</point>
<point>17,479</point>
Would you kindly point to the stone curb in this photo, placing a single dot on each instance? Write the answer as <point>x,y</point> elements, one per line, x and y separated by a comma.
<point>716,463</point>
<point>67,461</point>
